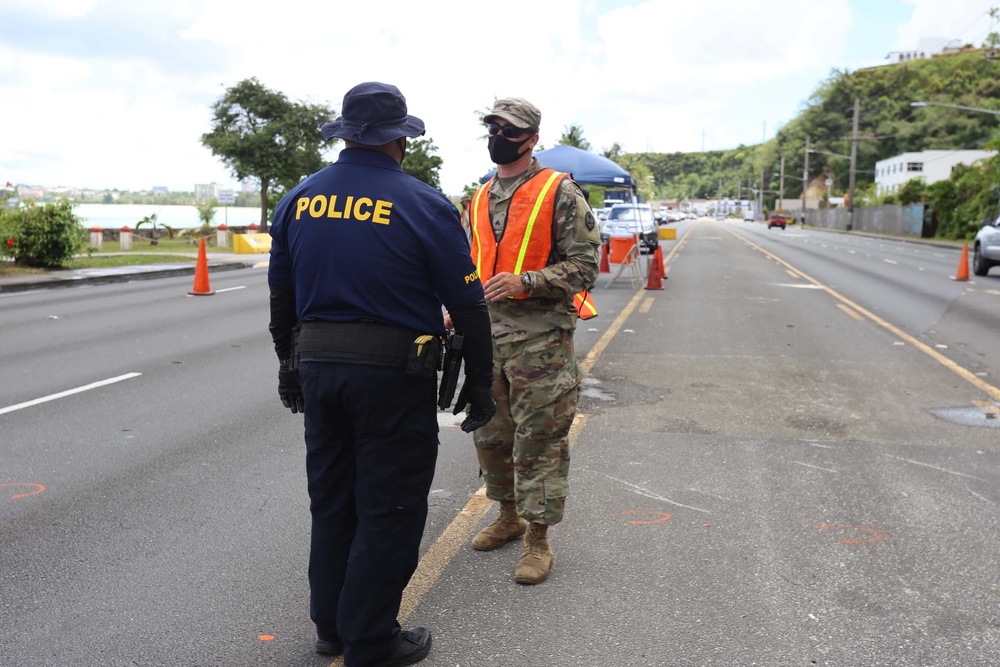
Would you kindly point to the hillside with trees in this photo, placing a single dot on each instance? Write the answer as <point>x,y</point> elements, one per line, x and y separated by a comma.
<point>888,125</point>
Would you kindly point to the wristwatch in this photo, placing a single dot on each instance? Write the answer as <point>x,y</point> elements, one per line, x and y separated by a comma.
<point>528,282</point>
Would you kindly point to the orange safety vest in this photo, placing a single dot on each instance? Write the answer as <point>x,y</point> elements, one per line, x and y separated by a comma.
<point>526,242</point>
<point>527,239</point>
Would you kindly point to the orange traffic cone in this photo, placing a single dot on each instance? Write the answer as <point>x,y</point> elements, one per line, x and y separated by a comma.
<point>963,263</point>
<point>605,264</point>
<point>655,278</point>
<point>201,287</point>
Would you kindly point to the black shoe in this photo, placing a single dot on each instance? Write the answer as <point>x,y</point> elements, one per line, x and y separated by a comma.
<point>414,645</point>
<point>329,647</point>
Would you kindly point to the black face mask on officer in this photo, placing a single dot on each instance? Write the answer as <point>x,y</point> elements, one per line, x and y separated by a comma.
<point>402,149</point>
<point>503,150</point>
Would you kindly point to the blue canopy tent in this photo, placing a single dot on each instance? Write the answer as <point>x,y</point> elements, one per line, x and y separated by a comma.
<point>585,167</point>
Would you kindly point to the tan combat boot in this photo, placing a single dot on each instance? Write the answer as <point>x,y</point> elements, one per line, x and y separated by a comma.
<point>536,559</point>
<point>506,527</point>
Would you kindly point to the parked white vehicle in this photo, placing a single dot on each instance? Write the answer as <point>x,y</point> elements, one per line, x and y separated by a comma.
<point>986,248</point>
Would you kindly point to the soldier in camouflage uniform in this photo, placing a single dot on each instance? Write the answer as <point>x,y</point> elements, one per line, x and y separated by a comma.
<point>524,451</point>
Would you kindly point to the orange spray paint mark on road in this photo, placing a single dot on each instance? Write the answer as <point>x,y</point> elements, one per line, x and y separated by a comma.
<point>660,517</point>
<point>873,534</point>
<point>265,638</point>
<point>35,488</point>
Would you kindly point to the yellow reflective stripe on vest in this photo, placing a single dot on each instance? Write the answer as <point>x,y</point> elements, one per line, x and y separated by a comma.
<point>531,221</point>
<point>474,223</point>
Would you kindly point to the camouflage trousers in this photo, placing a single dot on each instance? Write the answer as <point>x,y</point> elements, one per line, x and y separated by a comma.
<point>524,450</point>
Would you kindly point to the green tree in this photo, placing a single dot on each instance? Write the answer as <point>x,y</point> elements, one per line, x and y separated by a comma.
<point>573,136</point>
<point>914,191</point>
<point>259,133</point>
<point>993,39</point>
<point>206,213</point>
<point>421,162</point>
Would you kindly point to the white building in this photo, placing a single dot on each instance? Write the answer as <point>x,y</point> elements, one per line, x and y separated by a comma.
<point>928,166</point>
<point>206,191</point>
<point>926,47</point>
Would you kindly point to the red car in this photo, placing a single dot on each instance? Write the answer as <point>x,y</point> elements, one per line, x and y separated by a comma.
<point>777,220</point>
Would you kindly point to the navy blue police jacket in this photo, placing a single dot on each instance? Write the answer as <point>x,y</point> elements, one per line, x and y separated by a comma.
<point>363,240</point>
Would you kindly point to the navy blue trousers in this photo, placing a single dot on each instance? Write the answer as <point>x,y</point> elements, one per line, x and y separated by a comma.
<point>371,446</point>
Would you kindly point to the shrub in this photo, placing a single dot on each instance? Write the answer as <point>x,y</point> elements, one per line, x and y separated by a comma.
<point>45,236</point>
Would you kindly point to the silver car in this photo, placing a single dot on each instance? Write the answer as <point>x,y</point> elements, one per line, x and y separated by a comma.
<point>986,248</point>
<point>631,219</point>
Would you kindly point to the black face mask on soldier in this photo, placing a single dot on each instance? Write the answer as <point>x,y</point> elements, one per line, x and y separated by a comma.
<point>402,150</point>
<point>503,150</point>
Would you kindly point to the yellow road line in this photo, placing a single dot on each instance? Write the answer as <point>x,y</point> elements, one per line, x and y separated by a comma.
<point>591,358</point>
<point>965,374</point>
<point>448,543</point>
<point>853,313</point>
<point>986,405</point>
<point>646,305</point>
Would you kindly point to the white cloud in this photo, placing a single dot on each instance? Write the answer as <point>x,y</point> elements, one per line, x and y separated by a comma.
<point>964,20</point>
<point>127,109</point>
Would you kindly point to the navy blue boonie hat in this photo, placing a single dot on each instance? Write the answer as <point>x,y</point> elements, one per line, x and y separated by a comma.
<point>374,114</point>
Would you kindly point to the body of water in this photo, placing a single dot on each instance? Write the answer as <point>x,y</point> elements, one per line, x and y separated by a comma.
<point>116,216</point>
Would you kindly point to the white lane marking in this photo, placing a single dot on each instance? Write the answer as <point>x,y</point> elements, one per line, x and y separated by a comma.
<point>800,286</point>
<point>808,465</point>
<point>230,289</point>
<point>69,392</point>
<point>649,494</point>
<point>928,465</point>
<point>890,261</point>
<point>983,498</point>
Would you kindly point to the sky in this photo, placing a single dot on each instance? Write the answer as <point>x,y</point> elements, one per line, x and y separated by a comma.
<point>117,93</point>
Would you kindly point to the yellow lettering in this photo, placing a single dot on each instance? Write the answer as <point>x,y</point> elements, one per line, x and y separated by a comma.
<point>333,212</point>
<point>301,205</point>
<point>472,277</point>
<point>314,210</point>
<point>347,206</point>
<point>360,214</point>
<point>382,210</point>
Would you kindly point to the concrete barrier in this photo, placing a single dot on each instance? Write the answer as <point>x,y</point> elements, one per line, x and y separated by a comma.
<point>248,244</point>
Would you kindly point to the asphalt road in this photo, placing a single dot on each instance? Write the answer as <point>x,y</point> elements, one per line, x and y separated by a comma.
<point>785,457</point>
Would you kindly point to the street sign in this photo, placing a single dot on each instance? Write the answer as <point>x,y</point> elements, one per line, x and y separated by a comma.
<point>226,197</point>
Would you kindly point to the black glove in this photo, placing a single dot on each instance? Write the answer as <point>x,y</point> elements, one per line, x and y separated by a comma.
<point>289,389</point>
<point>482,407</point>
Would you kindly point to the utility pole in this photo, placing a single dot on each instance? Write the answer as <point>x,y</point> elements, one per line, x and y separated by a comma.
<point>854,163</point>
<point>781,187</point>
<point>805,179</point>
<point>760,195</point>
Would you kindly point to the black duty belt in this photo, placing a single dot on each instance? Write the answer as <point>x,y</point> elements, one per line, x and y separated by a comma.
<point>355,343</point>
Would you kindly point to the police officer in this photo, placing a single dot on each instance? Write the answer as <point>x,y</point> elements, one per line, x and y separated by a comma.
<point>363,257</point>
<point>535,242</point>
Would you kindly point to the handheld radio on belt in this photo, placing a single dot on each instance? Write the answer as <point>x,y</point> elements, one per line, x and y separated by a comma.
<point>450,369</point>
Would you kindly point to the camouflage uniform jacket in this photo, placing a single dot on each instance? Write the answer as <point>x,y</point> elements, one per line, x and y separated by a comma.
<point>573,263</point>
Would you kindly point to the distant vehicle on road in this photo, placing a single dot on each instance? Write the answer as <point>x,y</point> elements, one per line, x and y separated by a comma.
<point>777,220</point>
<point>748,214</point>
<point>986,248</point>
